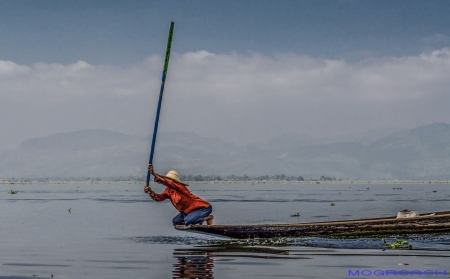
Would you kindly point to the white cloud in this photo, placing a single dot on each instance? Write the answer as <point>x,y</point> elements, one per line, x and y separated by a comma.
<point>8,68</point>
<point>81,95</point>
<point>291,76</point>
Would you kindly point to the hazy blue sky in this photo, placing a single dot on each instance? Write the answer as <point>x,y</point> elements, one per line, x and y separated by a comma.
<point>240,70</point>
<point>123,32</point>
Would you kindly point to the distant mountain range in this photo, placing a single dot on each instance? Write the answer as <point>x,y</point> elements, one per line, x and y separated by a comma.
<point>420,153</point>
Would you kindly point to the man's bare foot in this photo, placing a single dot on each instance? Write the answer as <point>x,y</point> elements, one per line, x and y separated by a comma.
<point>209,220</point>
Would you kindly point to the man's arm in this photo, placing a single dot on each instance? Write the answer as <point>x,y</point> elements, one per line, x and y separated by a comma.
<point>152,172</point>
<point>154,196</point>
<point>178,186</point>
<point>148,190</point>
<point>169,183</point>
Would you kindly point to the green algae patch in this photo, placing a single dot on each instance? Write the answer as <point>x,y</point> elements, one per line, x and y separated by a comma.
<point>398,245</point>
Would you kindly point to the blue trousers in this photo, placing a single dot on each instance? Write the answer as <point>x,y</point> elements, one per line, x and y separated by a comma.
<point>195,217</point>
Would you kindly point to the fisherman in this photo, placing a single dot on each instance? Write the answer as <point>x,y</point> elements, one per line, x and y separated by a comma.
<point>193,210</point>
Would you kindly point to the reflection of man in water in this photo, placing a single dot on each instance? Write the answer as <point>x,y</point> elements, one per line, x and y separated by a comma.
<point>198,266</point>
<point>193,210</point>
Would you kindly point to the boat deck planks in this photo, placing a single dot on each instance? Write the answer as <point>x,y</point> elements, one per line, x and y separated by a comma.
<point>438,223</point>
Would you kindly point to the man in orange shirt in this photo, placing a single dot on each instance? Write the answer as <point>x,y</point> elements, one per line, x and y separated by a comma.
<point>193,210</point>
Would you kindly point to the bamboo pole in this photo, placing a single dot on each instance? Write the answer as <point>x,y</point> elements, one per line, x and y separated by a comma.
<point>164,75</point>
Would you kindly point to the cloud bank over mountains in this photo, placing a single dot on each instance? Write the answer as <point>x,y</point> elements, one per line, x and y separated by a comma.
<point>237,97</point>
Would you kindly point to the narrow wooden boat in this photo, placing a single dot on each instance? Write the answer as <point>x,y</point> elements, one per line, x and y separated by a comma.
<point>437,223</point>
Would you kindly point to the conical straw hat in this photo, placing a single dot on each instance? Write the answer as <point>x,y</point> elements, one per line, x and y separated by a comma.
<point>173,175</point>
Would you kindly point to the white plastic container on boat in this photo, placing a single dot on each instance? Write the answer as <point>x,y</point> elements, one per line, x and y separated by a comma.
<point>407,213</point>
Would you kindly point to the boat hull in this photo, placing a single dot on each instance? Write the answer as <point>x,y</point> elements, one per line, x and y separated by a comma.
<point>438,223</point>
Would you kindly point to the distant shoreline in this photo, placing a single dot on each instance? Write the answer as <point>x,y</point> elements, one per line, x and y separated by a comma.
<point>346,182</point>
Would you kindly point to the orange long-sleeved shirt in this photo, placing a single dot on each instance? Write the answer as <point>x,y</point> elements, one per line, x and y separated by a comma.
<point>182,199</point>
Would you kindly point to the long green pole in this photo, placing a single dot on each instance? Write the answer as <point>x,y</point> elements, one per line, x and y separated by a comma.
<point>164,75</point>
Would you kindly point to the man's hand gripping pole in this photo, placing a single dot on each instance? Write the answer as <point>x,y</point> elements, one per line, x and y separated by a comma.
<point>147,188</point>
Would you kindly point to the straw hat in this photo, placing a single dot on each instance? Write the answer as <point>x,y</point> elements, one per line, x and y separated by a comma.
<point>174,176</point>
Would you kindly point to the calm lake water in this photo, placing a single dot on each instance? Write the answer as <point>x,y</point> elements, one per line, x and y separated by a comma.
<point>116,231</point>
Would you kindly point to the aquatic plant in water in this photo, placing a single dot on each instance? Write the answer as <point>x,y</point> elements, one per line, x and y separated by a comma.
<point>399,244</point>
<point>12,192</point>
<point>276,241</point>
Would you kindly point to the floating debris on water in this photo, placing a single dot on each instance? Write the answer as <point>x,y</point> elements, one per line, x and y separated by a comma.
<point>295,215</point>
<point>70,210</point>
<point>332,204</point>
<point>12,192</point>
<point>403,264</point>
<point>399,244</point>
<point>434,191</point>
<point>397,188</point>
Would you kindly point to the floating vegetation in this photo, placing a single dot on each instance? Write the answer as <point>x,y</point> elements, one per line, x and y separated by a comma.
<point>332,204</point>
<point>372,242</point>
<point>397,188</point>
<point>434,191</point>
<point>12,192</point>
<point>295,215</point>
<point>399,244</point>
<point>194,240</point>
<point>70,210</point>
<point>278,241</point>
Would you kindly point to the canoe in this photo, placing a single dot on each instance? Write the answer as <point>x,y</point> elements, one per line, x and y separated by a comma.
<point>384,226</point>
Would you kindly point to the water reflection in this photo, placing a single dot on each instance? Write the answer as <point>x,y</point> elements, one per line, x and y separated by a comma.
<point>194,264</point>
<point>198,262</point>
